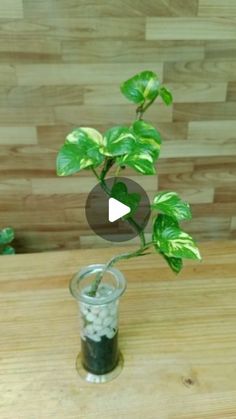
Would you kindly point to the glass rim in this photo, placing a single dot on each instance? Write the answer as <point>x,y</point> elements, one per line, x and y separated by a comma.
<point>84,272</point>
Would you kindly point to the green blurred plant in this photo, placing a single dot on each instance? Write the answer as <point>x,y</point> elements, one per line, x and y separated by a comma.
<point>136,146</point>
<point>6,236</point>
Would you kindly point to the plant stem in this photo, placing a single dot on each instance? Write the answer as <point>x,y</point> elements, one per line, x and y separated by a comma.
<point>130,220</point>
<point>95,173</point>
<point>109,161</point>
<point>117,171</point>
<point>138,229</point>
<point>110,263</point>
<point>141,109</point>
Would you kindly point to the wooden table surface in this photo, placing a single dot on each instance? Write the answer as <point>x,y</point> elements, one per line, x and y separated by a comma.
<point>177,335</point>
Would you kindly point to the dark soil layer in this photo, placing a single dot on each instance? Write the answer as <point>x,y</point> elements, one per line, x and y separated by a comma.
<point>100,357</point>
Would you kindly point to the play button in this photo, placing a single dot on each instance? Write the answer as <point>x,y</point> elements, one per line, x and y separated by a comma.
<point>117,209</point>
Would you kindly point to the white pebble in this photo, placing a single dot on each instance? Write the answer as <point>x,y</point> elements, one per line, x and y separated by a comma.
<point>95,310</point>
<point>97,321</point>
<point>107,330</point>
<point>103,313</point>
<point>108,320</point>
<point>100,331</point>
<point>97,327</point>
<point>90,317</point>
<point>95,337</point>
<point>110,334</point>
<point>89,329</point>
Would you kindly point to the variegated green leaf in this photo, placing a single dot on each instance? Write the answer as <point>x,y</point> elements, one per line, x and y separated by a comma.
<point>140,160</point>
<point>118,140</point>
<point>83,134</point>
<point>160,223</point>
<point>172,241</point>
<point>143,86</point>
<point>176,264</point>
<point>81,150</point>
<point>177,243</point>
<point>8,250</point>
<point>6,235</point>
<point>171,204</point>
<point>166,95</point>
<point>148,136</point>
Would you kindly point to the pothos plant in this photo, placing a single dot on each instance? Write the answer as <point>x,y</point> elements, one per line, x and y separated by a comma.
<point>6,237</point>
<point>136,146</point>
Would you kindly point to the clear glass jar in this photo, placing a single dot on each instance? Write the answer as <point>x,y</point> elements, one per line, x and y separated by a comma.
<point>100,359</point>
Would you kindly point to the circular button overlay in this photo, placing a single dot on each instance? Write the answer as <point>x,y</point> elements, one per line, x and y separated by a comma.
<point>116,208</point>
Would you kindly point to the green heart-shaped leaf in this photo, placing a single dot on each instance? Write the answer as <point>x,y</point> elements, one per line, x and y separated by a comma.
<point>171,204</point>
<point>172,241</point>
<point>160,223</point>
<point>140,159</point>
<point>84,134</point>
<point>143,86</point>
<point>118,141</point>
<point>177,243</point>
<point>6,235</point>
<point>148,136</point>
<point>166,95</point>
<point>176,264</point>
<point>81,150</point>
<point>8,250</point>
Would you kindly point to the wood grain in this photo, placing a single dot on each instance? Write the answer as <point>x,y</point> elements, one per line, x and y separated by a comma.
<point>204,111</point>
<point>72,28</point>
<point>25,116</point>
<point>181,349</point>
<point>190,28</point>
<point>14,50</point>
<point>11,9</point>
<point>231,94</point>
<point>18,135</point>
<point>220,50</point>
<point>7,75</point>
<point>227,195</point>
<point>216,8</point>
<point>112,8</point>
<point>197,92</point>
<point>11,186</point>
<point>113,114</point>
<point>61,63</point>
<point>42,96</point>
<point>126,51</point>
<point>67,74</point>
<point>200,71</point>
<point>224,130</point>
<point>206,147</point>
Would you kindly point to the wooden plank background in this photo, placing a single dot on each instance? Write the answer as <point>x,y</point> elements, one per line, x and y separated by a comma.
<point>61,63</point>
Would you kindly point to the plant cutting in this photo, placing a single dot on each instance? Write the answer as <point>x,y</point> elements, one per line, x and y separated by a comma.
<point>98,287</point>
<point>6,237</point>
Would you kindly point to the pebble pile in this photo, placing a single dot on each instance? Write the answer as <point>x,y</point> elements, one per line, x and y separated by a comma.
<point>99,320</point>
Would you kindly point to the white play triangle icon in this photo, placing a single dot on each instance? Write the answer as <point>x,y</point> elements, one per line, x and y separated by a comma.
<point>116,210</point>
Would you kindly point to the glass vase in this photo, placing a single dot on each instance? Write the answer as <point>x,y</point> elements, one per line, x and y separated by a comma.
<point>100,359</point>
